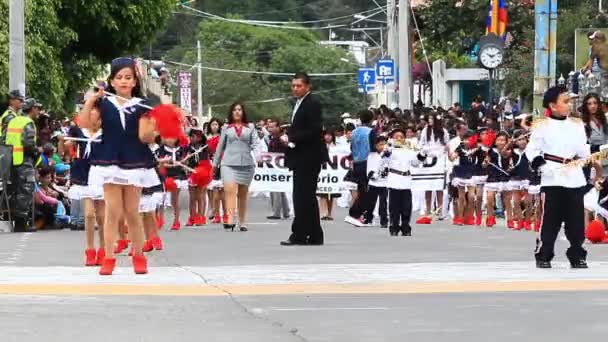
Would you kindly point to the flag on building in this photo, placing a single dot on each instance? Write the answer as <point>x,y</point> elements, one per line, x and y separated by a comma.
<point>497,18</point>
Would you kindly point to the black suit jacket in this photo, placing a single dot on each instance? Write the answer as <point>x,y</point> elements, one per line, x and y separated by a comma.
<point>305,132</point>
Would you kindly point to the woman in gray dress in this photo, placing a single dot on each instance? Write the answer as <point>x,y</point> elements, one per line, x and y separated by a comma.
<point>235,161</point>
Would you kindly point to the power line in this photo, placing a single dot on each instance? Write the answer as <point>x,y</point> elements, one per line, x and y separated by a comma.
<point>263,72</point>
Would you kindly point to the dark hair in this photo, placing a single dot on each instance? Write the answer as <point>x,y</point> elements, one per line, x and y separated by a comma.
<point>339,129</point>
<point>330,132</point>
<point>552,94</point>
<point>302,76</point>
<point>44,171</point>
<point>502,134</point>
<point>380,138</point>
<point>366,116</point>
<point>232,108</point>
<point>349,127</point>
<point>219,124</point>
<point>437,128</point>
<point>599,115</point>
<point>136,92</point>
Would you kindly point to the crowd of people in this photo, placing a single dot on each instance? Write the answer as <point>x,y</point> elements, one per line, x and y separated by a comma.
<point>119,189</point>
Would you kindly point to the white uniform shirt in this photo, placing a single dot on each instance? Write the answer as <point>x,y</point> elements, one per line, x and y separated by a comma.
<point>402,159</point>
<point>563,138</point>
<point>377,164</point>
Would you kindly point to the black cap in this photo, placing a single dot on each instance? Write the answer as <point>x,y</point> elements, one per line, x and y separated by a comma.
<point>16,95</point>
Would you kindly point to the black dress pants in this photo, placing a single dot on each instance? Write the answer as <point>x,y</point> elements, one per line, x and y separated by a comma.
<point>400,207</point>
<point>306,226</point>
<point>562,205</point>
<point>373,194</point>
<point>360,174</point>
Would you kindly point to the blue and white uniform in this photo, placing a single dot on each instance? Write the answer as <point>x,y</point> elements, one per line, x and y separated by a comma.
<point>79,174</point>
<point>520,178</point>
<point>122,158</point>
<point>497,173</point>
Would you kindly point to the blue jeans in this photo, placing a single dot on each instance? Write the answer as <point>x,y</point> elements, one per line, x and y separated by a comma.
<point>77,213</point>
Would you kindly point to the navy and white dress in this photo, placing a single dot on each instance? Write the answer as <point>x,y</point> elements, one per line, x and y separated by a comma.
<point>463,171</point>
<point>175,154</point>
<point>79,173</point>
<point>122,158</point>
<point>497,179</point>
<point>520,178</point>
<point>480,174</point>
<point>198,156</point>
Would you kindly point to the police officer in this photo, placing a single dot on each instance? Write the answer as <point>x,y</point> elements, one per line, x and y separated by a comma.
<point>550,150</point>
<point>15,102</point>
<point>21,135</point>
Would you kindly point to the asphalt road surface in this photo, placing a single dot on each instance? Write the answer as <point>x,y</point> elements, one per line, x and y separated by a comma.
<point>444,283</point>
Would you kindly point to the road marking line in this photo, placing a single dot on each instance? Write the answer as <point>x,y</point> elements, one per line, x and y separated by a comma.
<point>301,289</point>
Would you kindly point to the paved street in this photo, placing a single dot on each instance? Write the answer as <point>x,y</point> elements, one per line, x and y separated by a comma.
<point>442,284</point>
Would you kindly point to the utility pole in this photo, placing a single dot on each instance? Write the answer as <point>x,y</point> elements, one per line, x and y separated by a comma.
<point>391,10</point>
<point>16,58</point>
<point>406,86</point>
<point>199,95</point>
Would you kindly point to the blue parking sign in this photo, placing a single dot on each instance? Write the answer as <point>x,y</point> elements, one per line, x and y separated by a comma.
<point>385,70</point>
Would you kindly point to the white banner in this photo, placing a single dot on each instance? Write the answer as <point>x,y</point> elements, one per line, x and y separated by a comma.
<point>272,175</point>
<point>185,90</point>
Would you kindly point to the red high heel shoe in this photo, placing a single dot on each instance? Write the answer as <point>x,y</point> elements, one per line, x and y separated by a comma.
<point>510,224</point>
<point>176,225</point>
<point>216,219</point>
<point>424,220</point>
<point>525,224</point>
<point>107,267</point>
<point>157,243</point>
<point>140,264</point>
<point>121,245</point>
<point>200,220</point>
<point>518,225</point>
<point>469,221</point>
<point>101,254</point>
<point>91,257</point>
<point>148,247</point>
<point>225,218</point>
<point>478,220</point>
<point>458,221</point>
<point>191,221</point>
<point>490,221</point>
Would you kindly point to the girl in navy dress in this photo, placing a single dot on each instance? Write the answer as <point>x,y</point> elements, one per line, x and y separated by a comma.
<point>463,181</point>
<point>169,153</point>
<point>198,200</point>
<point>480,173</point>
<point>80,190</point>
<point>124,163</point>
<point>497,165</point>
<point>519,183</point>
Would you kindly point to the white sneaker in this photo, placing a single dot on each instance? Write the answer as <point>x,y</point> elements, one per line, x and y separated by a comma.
<point>353,221</point>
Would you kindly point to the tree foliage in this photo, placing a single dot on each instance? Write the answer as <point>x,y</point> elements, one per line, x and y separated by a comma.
<point>245,47</point>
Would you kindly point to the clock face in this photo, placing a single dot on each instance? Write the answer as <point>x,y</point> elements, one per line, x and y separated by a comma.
<point>491,57</point>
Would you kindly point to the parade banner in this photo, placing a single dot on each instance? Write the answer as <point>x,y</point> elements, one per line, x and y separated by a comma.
<point>185,90</point>
<point>272,175</point>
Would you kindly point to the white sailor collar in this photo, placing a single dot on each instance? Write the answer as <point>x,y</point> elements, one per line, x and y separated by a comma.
<point>124,108</point>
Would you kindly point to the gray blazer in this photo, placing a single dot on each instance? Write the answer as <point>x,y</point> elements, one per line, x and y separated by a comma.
<point>237,151</point>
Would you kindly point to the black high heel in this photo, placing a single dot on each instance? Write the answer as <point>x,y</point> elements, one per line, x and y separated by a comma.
<point>229,227</point>
<point>243,229</point>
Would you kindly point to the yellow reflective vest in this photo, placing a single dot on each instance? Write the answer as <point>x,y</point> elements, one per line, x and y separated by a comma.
<point>14,137</point>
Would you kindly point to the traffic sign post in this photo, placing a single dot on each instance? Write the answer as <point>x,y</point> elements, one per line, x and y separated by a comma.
<point>367,79</point>
<point>385,70</point>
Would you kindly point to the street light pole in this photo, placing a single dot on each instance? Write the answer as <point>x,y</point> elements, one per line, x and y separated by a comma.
<point>406,91</point>
<point>16,59</point>
<point>199,95</point>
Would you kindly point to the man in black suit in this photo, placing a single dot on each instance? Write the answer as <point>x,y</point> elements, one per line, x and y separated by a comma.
<point>305,155</point>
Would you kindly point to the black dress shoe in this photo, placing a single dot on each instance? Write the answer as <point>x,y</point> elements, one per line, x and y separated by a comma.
<point>579,264</point>
<point>290,242</point>
<point>315,242</point>
<point>543,264</point>
<point>272,217</point>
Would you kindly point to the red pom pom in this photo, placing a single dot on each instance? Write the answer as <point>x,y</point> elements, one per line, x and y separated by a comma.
<point>488,141</point>
<point>472,143</point>
<point>170,184</point>
<point>169,123</point>
<point>203,174</point>
<point>595,232</point>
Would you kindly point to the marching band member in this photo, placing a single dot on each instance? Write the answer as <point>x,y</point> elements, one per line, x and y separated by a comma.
<point>198,202</point>
<point>124,164</point>
<point>519,182</point>
<point>216,188</point>
<point>463,179</point>
<point>172,152</point>
<point>377,166</point>
<point>151,199</point>
<point>80,190</point>
<point>433,141</point>
<point>480,172</point>
<point>496,164</point>
<point>562,184</point>
<point>399,181</point>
